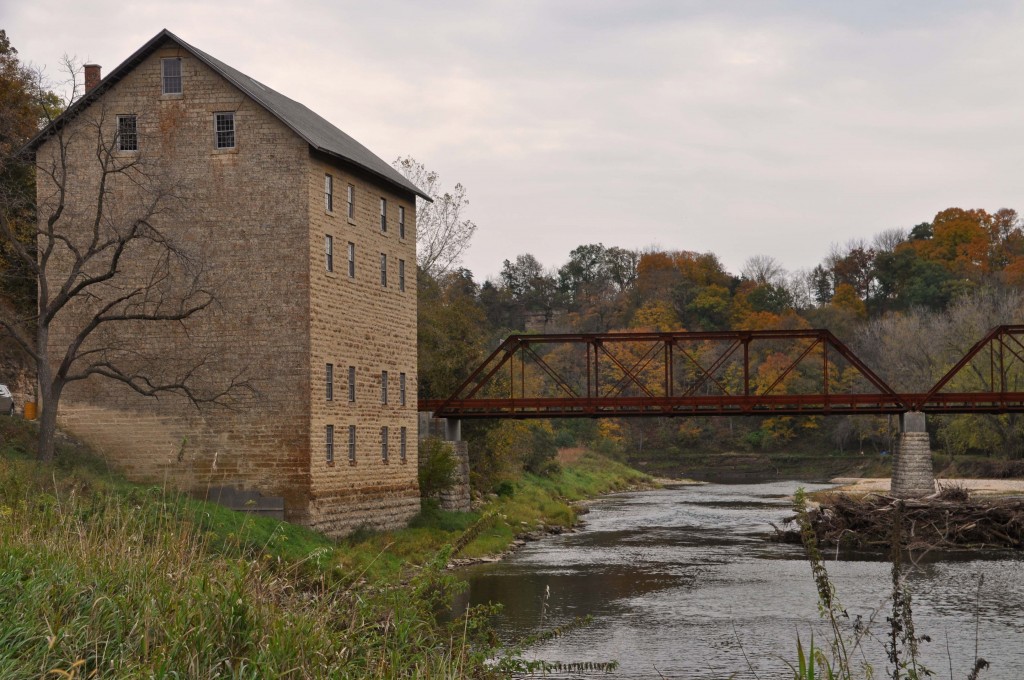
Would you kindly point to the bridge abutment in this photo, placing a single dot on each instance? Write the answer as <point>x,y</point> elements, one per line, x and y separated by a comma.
<point>449,430</point>
<point>912,475</point>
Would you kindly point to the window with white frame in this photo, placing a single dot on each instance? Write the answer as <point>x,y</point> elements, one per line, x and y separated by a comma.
<point>128,132</point>
<point>384,443</point>
<point>352,444</point>
<point>384,387</point>
<point>170,75</point>
<point>401,221</point>
<point>328,193</point>
<point>351,202</point>
<point>330,443</point>
<point>401,389</point>
<point>402,444</point>
<point>329,251</point>
<point>384,214</point>
<point>224,129</point>
<point>401,275</point>
<point>384,270</point>
<point>351,260</point>
<point>330,382</point>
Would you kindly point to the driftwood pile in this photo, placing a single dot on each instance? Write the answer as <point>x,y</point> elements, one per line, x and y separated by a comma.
<point>950,521</point>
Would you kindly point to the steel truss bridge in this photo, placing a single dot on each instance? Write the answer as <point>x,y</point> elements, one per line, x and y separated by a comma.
<point>753,373</point>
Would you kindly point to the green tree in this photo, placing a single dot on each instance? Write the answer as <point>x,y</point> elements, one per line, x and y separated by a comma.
<point>452,334</point>
<point>24,106</point>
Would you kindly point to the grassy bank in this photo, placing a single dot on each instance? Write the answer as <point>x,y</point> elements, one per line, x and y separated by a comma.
<point>529,504</point>
<point>99,577</point>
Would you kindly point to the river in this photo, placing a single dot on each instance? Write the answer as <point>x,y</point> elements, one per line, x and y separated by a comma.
<point>682,582</point>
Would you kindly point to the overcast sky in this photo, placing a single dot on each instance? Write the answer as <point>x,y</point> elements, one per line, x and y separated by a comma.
<point>741,128</point>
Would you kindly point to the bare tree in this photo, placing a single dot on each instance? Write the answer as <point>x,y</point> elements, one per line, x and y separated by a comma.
<point>117,285</point>
<point>763,269</point>
<point>798,284</point>
<point>886,240</point>
<point>442,233</point>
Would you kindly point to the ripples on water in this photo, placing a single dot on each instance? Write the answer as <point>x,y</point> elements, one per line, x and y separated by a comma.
<point>681,581</point>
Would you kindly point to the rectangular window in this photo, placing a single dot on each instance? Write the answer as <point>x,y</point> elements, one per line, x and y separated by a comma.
<point>330,443</point>
<point>224,127</point>
<point>351,202</point>
<point>351,260</point>
<point>351,443</point>
<point>384,214</point>
<point>328,193</point>
<point>401,221</point>
<point>402,444</point>
<point>128,133</point>
<point>351,383</point>
<point>384,270</point>
<point>401,389</point>
<point>330,382</point>
<point>170,72</point>
<point>384,387</point>
<point>384,443</point>
<point>401,275</point>
<point>329,247</point>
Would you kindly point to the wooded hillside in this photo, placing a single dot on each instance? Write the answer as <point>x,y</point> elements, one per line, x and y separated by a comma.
<point>910,302</point>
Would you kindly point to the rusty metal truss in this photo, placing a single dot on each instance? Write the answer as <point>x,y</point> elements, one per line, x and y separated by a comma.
<point>988,379</point>
<point>799,372</point>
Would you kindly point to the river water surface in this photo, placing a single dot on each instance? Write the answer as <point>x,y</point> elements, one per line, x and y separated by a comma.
<point>682,582</point>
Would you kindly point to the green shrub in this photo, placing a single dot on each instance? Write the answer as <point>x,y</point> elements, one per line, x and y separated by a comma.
<point>437,467</point>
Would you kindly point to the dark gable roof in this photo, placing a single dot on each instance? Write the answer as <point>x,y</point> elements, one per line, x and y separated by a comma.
<point>318,133</point>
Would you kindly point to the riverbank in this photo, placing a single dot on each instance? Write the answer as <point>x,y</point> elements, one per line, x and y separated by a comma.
<point>102,577</point>
<point>526,509</point>
<point>980,487</point>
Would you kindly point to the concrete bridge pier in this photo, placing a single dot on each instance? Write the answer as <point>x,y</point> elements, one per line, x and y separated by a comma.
<point>912,475</point>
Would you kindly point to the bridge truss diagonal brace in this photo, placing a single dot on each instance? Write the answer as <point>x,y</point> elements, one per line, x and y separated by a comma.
<point>1001,341</point>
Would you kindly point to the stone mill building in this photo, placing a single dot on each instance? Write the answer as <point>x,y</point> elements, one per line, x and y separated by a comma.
<point>311,240</point>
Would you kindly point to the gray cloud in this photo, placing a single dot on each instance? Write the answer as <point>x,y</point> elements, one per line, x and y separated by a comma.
<point>741,128</point>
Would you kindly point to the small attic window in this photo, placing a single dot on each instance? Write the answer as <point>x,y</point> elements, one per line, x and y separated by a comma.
<point>170,75</point>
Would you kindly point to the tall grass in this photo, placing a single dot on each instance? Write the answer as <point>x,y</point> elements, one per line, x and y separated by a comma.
<point>102,578</point>
<point>99,582</point>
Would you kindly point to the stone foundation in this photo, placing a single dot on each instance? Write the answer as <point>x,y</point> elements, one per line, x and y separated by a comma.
<point>376,508</point>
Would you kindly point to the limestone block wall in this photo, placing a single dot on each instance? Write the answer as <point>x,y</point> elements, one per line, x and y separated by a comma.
<point>241,215</point>
<point>912,475</point>
<point>362,324</point>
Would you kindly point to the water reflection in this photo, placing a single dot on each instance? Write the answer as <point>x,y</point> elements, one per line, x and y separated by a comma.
<point>681,581</point>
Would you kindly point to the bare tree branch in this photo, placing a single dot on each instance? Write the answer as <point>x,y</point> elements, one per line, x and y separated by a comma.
<point>442,234</point>
<point>109,262</point>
